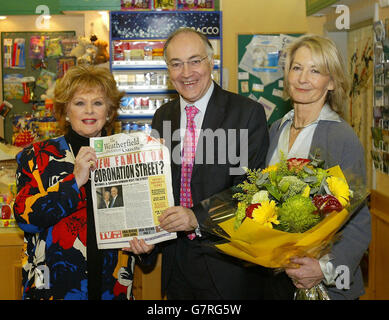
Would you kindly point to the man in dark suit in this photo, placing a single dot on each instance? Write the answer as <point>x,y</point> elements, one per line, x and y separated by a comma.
<point>117,200</point>
<point>190,268</point>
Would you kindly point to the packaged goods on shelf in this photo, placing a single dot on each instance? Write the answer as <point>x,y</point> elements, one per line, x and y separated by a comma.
<point>143,80</point>
<point>30,127</point>
<point>131,104</point>
<point>130,50</point>
<point>7,184</point>
<point>128,126</point>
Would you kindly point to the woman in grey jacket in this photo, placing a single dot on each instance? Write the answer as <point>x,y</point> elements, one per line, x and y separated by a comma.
<point>316,83</point>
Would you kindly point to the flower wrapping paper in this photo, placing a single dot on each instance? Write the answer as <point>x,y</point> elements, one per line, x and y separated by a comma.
<point>270,247</point>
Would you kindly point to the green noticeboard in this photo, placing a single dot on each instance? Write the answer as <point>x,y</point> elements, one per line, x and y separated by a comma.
<point>260,74</point>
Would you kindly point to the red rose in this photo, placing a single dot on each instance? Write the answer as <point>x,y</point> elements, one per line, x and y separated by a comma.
<point>326,204</point>
<point>250,209</point>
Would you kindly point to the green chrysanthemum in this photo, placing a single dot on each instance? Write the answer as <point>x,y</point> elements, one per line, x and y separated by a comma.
<point>297,215</point>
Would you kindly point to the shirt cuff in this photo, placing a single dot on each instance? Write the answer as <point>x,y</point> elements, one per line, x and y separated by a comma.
<point>328,270</point>
<point>197,231</point>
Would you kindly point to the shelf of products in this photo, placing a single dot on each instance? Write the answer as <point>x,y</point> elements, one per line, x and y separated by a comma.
<point>142,106</point>
<point>32,62</point>
<point>39,124</point>
<point>137,62</point>
<point>7,187</point>
<point>380,128</point>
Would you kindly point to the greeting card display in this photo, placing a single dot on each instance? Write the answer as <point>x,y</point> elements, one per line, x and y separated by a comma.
<point>164,4</point>
<point>136,4</point>
<point>195,4</point>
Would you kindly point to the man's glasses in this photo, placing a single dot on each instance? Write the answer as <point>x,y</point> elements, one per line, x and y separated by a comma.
<point>193,63</point>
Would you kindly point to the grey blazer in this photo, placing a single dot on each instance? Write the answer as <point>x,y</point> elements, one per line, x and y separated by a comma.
<point>338,144</point>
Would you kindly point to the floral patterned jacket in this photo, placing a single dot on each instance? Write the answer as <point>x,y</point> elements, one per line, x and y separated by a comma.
<point>52,212</point>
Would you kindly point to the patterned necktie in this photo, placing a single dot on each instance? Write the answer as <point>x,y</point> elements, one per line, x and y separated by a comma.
<point>187,158</point>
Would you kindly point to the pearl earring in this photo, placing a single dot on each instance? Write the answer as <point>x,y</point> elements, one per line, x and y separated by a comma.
<point>67,118</point>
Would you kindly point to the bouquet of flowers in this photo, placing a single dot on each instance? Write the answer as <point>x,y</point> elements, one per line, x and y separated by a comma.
<point>293,208</point>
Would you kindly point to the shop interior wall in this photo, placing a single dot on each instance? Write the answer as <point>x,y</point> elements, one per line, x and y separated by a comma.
<point>247,17</point>
<point>355,42</point>
<point>93,23</point>
<point>261,16</point>
<point>362,12</point>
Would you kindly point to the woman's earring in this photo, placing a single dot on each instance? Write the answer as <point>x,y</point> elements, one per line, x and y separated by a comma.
<point>67,118</point>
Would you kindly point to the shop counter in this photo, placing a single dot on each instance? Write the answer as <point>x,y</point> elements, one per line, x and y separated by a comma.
<point>11,250</point>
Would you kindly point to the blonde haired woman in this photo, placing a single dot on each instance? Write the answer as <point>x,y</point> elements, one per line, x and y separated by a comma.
<point>316,83</point>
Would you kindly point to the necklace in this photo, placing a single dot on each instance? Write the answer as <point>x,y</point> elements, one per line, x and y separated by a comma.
<point>302,127</point>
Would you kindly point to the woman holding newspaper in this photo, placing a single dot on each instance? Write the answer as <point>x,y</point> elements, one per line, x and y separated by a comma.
<point>54,204</point>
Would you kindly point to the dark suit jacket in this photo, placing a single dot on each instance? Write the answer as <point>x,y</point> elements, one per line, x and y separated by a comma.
<point>118,202</point>
<point>225,110</point>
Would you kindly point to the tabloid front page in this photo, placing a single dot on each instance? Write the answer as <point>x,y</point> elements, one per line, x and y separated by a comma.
<point>131,186</point>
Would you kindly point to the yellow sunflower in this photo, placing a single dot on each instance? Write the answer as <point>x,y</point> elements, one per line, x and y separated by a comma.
<point>266,214</point>
<point>270,168</point>
<point>306,192</point>
<point>339,188</point>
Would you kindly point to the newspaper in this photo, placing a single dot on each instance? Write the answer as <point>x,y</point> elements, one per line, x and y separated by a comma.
<point>131,187</point>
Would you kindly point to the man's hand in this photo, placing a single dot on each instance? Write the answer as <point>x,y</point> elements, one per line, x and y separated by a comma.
<point>307,275</point>
<point>178,219</point>
<point>139,246</point>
